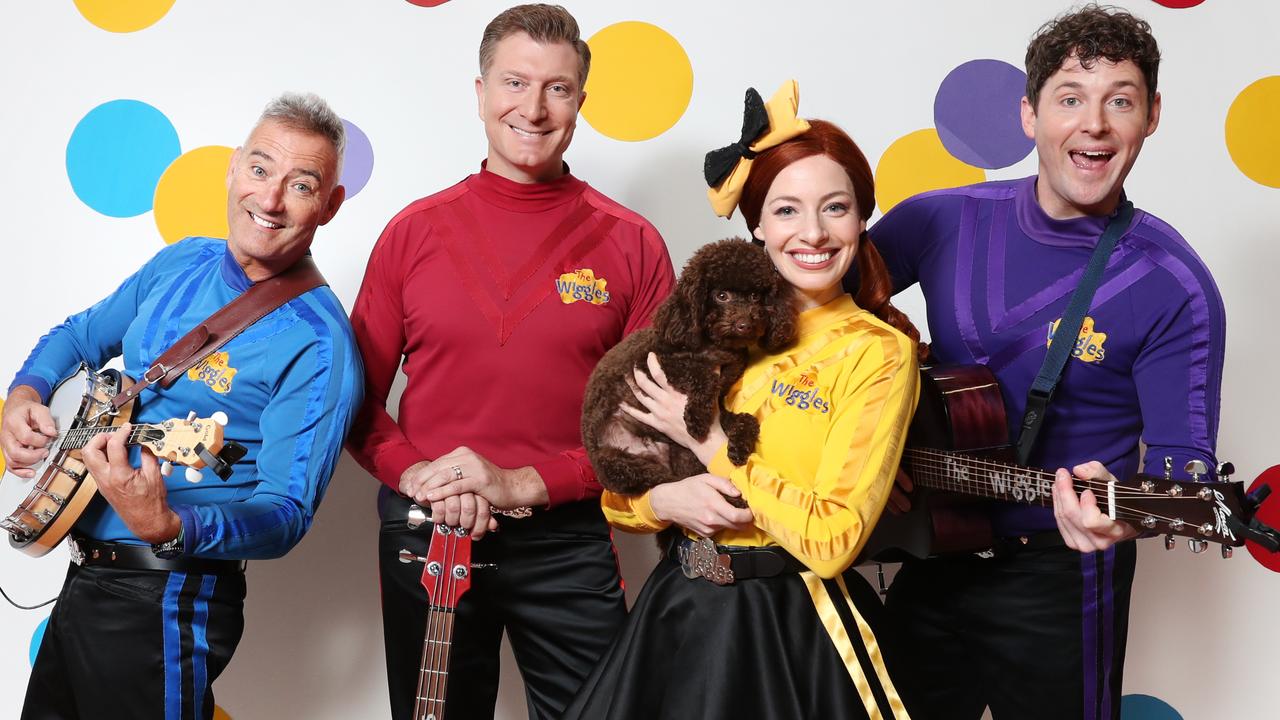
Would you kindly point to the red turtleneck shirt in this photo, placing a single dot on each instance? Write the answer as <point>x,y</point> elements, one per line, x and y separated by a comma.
<point>500,297</point>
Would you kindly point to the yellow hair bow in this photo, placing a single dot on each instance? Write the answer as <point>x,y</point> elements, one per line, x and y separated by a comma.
<point>764,125</point>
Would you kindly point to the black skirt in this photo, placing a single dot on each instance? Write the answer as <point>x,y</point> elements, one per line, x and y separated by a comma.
<point>790,646</point>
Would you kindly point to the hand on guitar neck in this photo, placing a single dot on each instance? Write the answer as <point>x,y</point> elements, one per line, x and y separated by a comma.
<point>137,494</point>
<point>1083,525</point>
<point>1081,522</point>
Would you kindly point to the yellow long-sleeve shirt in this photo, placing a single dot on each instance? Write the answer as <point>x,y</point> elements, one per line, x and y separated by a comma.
<point>833,410</point>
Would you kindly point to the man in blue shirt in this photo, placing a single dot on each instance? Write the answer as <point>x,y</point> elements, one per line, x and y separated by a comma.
<point>289,383</point>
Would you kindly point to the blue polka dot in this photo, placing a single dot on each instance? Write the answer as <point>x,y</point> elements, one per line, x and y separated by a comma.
<point>116,155</point>
<point>1145,707</point>
<point>37,638</point>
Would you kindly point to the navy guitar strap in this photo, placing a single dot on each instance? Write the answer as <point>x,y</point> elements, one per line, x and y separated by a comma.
<point>1064,338</point>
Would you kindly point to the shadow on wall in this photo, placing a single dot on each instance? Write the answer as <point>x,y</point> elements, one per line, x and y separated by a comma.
<point>312,645</point>
<point>313,631</point>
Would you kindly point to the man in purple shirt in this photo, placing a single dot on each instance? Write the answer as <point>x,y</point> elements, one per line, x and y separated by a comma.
<point>1038,630</point>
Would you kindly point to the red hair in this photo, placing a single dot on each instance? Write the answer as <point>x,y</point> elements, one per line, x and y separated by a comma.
<point>824,138</point>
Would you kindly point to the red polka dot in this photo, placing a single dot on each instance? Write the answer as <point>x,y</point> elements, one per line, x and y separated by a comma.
<point>1179,4</point>
<point>1269,514</point>
<point>427,3</point>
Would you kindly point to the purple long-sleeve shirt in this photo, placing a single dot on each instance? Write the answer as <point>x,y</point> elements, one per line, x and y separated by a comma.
<point>997,272</point>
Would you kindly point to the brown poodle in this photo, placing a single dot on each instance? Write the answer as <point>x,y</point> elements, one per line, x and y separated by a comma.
<point>729,297</point>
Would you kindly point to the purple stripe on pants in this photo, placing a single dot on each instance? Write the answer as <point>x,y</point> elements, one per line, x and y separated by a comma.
<point>1098,626</point>
<point>1089,627</point>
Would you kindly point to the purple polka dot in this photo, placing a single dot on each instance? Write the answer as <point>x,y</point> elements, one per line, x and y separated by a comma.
<point>357,164</point>
<point>1145,707</point>
<point>978,114</point>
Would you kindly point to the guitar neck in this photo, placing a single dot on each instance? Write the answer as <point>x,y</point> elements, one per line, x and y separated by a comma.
<point>433,673</point>
<point>77,438</point>
<point>969,475</point>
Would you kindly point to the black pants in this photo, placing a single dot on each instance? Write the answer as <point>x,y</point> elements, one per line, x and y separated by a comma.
<point>1032,634</point>
<point>136,645</point>
<point>555,590</point>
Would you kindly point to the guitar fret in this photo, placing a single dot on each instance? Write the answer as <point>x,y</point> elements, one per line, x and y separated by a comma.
<point>984,478</point>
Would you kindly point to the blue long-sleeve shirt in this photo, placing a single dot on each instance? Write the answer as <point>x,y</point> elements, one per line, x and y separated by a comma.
<point>290,384</point>
<point>996,273</point>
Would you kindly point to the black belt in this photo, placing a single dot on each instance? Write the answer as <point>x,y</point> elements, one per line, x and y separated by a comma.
<point>1044,540</point>
<point>93,553</point>
<point>723,564</point>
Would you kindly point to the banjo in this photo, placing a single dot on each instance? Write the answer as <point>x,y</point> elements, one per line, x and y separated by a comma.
<point>48,505</point>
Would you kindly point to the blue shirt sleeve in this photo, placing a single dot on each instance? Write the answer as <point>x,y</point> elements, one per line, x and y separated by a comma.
<point>303,428</point>
<point>93,336</point>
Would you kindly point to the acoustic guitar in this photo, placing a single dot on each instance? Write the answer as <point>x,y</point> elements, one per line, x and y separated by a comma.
<point>959,443</point>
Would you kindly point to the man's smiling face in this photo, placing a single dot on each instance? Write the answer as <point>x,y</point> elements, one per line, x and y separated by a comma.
<point>281,185</point>
<point>1089,126</point>
<point>529,99</point>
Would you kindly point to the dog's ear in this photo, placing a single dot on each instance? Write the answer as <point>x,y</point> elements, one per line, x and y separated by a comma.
<point>780,317</point>
<point>679,319</point>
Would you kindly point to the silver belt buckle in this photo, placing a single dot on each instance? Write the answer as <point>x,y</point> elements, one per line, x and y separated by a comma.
<point>701,560</point>
<point>77,555</point>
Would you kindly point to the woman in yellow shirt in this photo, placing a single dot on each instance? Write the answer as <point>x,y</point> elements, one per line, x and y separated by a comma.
<point>765,619</point>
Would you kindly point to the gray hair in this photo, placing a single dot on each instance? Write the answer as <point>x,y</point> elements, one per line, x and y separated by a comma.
<point>310,113</point>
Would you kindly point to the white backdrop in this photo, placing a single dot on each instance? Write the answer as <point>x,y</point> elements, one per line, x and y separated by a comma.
<point>312,648</point>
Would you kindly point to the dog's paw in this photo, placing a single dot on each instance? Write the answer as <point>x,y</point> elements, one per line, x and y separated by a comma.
<point>743,432</point>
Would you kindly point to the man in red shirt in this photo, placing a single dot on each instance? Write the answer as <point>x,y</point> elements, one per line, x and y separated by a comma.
<point>500,294</point>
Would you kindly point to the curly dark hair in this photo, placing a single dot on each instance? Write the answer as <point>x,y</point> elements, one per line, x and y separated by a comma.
<point>1091,33</point>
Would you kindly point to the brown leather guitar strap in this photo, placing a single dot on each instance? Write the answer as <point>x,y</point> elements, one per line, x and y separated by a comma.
<point>225,324</point>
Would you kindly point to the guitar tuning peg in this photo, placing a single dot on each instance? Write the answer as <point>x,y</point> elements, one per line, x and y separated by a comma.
<point>1169,542</point>
<point>166,468</point>
<point>1225,471</point>
<point>417,516</point>
<point>1195,468</point>
<point>220,418</point>
<point>193,475</point>
<point>191,416</point>
<point>407,556</point>
<point>1226,552</point>
<point>1197,545</point>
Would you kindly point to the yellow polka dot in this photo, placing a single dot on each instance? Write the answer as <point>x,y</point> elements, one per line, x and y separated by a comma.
<point>220,714</point>
<point>640,81</point>
<point>916,163</point>
<point>123,16</point>
<point>1253,131</point>
<point>191,197</point>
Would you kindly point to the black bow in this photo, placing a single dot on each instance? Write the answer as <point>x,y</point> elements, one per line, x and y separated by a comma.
<point>755,120</point>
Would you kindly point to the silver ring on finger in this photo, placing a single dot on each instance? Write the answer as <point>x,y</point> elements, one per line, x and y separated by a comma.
<point>457,472</point>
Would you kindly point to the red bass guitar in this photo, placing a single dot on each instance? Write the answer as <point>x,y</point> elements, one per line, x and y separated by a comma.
<point>445,576</point>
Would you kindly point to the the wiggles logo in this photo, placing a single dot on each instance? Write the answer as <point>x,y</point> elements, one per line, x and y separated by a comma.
<point>582,284</point>
<point>802,394</point>
<point>214,371</point>
<point>1088,345</point>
